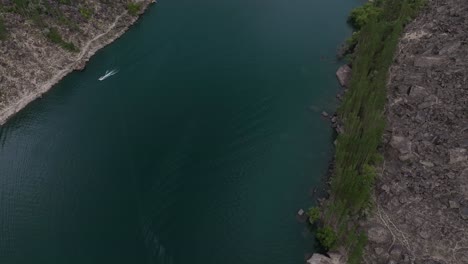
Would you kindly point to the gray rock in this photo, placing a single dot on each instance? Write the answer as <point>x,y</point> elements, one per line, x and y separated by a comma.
<point>453,204</point>
<point>344,75</point>
<point>378,234</point>
<point>417,91</point>
<point>424,234</point>
<point>322,259</point>
<point>406,157</point>
<point>396,252</point>
<point>427,163</point>
<point>450,48</point>
<point>463,212</point>
<point>402,144</point>
<point>378,251</point>
<point>427,62</point>
<point>457,155</point>
<point>425,105</point>
<point>385,188</point>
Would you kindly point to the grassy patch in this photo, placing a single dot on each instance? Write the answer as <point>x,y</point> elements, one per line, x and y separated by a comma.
<point>362,116</point>
<point>85,12</point>
<point>54,36</point>
<point>133,8</point>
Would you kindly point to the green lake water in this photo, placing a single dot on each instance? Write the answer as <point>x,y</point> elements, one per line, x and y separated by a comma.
<point>200,150</point>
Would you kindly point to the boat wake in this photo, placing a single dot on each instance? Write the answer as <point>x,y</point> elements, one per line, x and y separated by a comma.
<point>108,74</point>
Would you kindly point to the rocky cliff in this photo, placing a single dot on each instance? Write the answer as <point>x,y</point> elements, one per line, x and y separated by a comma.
<point>421,213</point>
<point>41,41</point>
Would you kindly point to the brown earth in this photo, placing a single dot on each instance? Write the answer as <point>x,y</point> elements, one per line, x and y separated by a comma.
<point>30,64</point>
<point>421,213</point>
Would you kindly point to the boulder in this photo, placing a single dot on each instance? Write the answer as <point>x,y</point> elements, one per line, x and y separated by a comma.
<point>453,205</point>
<point>463,212</point>
<point>378,234</point>
<point>417,91</point>
<point>457,155</point>
<point>378,251</point>
<point>402,144</point>
<point>344,75</point>
<point>322,259</point>
<point>427,163</point>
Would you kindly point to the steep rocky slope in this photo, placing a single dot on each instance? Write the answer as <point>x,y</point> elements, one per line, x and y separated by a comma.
<point>421,213</point>
<point>47,39</point>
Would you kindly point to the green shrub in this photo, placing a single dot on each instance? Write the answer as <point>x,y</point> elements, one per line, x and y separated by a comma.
<point>85,12</point>
<point>54,36</point>
<point>314,214</point>
<point>133,8</point>
<point>327,237</point>
<point>360,16</point>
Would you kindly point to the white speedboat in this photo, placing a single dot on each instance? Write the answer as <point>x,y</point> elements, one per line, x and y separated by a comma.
<point>107,75</point>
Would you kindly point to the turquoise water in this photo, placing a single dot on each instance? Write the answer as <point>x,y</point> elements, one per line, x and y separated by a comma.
<point>201,149</point>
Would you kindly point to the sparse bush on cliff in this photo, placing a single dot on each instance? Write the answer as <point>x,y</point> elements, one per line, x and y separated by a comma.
<point>314,214</point>
<point>54,36</point>
<point>85,12</point>
<point>133,8</point>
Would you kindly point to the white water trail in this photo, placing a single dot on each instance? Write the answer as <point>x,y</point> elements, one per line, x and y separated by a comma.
<point>108,74</point>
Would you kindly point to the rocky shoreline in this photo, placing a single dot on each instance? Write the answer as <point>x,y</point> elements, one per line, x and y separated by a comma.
<point>421,192</point>
<point>30,65</point>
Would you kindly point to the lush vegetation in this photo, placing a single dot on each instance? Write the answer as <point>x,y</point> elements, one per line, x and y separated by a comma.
<point>133,8</point>
<point>327,237</point>
<point>361,16</point>
<point>381,24</point>
<point>314,214</point>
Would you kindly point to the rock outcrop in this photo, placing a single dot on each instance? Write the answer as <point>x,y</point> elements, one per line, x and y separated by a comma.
<point>344,75</point>
<point>421,194</point>
<point>334,258</point>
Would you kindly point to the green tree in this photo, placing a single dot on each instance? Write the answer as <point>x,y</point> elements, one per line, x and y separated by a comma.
<point>327,237</point>
<point>314,214</point>
<point>360,16</point>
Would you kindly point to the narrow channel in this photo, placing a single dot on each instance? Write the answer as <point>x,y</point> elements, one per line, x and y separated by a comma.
<point>200,149</point>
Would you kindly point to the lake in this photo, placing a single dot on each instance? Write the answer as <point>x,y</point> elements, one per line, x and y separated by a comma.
<point>201,149</point>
